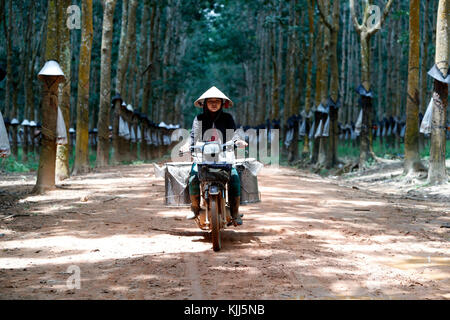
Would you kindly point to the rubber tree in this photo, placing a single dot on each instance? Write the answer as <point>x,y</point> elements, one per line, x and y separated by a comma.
<point>148,72</point>
<point>331,22</point>
<point>311,30</point>
<point>276,46</point>
<point>121,69</point>
<point>126,40</point>
<point>437,173</point>
<point>117,102</point>
<point>82,141</point>
<point>370,25</point>
<point>27,74</point>
<point>412,161</point>
<point>143,57</point>
<point>47,159</point>
<point>163,112</point>
<point>323,141</point>
<point>65,57</point>
<point>290,105</point>
<point>423,69</point>
<point>8,30</point>
<point>105,83</point>
<point>318,90</point>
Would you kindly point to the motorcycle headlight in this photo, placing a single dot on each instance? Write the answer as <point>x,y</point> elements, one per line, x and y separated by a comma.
<point>211,149</point>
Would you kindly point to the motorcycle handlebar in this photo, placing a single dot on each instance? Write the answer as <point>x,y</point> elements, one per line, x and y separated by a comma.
<point>193,148</point>
<point>228,144</point>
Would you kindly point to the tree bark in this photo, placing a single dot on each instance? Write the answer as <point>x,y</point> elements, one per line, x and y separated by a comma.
<point>157,64</point>
<point>105,84</point>
<point>143,57</point>
<point>275,77</point>
<point>424,99</point>
<point>62,151</point>
<point>324,94</point>
<point>333,27</point>
<point>27,74</point>
<point>260,97</point>
<point>47,160</point>
<point>14,146</point>
<point>147,78</point>
<point>82,141</point>
<point>437,173</point>
<point>412,159</point>
<point>9,59</point>
<point>167,109</point>
<point>318,91</point>
<point>311,5</point>
<point>290,98</point>
<point>365,33</point>
<point>117,145</point>
<point>122,61</point>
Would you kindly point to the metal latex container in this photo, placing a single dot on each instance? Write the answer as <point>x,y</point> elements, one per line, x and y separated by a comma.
<point>249,185</point>
<point>176,186</point>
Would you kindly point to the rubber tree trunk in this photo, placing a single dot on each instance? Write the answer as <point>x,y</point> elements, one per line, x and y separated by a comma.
<point>25,144</point>
<point>365,32</point>
<point>130,47</point>
<point>49,107</point>
<point>412,158</point>
<point>46,171</point>
<point>62,151</point>
<point>318,93</point>
<point>134,145</point>
<point>437,173</point>
<point>364,151</point>
<point>323,141</point>
<point>164,112</point>
<point>144,146</point>
<point>311,3</point>
<point>29,131</point>
<point>26,76</point>
<point>332,158</point>
<point>147,79</point>
<point>424,99</point>
<point>275,111</point>
<point>122,61</point>
<point>332,24</point>
<point>143,56</point>
<point>9,62</point>
<point>82,143</point>
<point>294,88</point>
<point>290,68</point>
<point>14,145</point>
<point>126,144</point>
<point>115,133</point>
<point>105,84</point>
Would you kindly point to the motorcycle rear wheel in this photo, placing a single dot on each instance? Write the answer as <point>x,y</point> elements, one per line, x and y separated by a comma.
<point>215,223</point>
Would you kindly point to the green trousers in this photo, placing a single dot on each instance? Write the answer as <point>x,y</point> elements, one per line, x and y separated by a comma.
<point>234,185</point>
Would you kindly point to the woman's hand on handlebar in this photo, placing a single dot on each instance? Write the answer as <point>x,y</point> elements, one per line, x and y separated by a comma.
<point>241,144</point>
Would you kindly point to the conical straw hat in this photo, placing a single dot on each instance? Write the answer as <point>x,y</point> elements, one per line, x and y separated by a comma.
<point>212,93</point>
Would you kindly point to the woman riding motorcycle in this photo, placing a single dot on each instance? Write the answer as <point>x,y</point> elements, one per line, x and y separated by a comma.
<point>215,123</point>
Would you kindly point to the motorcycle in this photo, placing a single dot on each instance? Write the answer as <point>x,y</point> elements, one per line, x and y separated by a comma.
<point>214,172</point>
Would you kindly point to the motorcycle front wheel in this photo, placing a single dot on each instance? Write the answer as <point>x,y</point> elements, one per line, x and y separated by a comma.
<point>215,223</point>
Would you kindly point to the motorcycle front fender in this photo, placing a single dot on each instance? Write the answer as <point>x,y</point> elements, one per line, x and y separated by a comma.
<point>214,190</point>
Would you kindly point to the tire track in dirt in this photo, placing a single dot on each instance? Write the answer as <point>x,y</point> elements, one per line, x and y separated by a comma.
<point>192,275</point>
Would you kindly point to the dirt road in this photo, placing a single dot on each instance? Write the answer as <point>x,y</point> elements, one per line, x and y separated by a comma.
<point>309,238</point>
